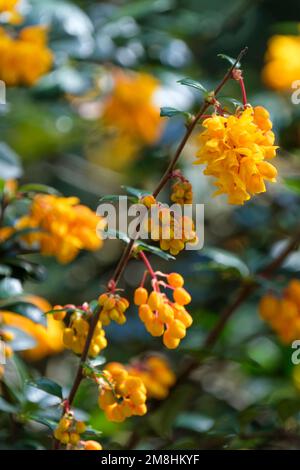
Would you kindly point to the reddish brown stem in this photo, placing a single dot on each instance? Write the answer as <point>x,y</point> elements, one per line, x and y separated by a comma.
<point>128,250</point>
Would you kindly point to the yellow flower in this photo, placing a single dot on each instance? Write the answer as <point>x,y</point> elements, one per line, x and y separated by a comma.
<point>156,375</point>
<point>9,11</point>
<point>282,62</point>
<point>66,227</point>
<point>235,149</point>
<point>24,59</point>
<point>48,339</point>
<point>283,314</point>
<point>131,109</point>
<point>121,394</point>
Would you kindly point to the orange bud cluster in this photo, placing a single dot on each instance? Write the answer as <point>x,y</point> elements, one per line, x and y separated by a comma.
<point>156,374</point>
<point>75,334</point>
<point>172,230</point>
<point>163,317</point>
<point>182,192</point>
<point>121,394</point>
<point>69,430</point>
<point>283,314</point>
<point>113,308</point>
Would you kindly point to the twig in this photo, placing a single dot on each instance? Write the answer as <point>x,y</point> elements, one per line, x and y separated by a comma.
<point>127,252</point>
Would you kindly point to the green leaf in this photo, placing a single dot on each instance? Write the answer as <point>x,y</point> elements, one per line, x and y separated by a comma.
<point>26,309</point>
<point>7,407</point>
<point>194,422</point>
<point>170,112</point>
<point>115,198</point>
<point>229,59</point>
<point>10,286</point>
<point>2,185</point>
<point>24,269</point>
<point>99,361</point>
<point>293,183</point>
<point>135,191</point>
<point>10,166</point>
<point>233,101</point>
<point>51,424</point>
<point>5,270</point>
<point>155,250</point>
<point>226,259</point>
<point>38,188</point>
<point>193,84</point>
<point>21,341</point>
<point>117,234</point>
<point>91,432</point>
<point>48,386</point>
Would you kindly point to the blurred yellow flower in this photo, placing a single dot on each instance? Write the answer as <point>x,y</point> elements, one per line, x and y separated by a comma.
<point>131,109</point>
<point>235,149</point>
<point>156,374</point>
<point>9,11</point>
<point>282,62</point>
<point>283,314</point>
<point>115,151</point>
<point>24,59</point>
<point>48,339</point>
<point>66,227</point>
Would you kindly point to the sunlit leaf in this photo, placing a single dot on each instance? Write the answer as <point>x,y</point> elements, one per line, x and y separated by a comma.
<point>48,386</point>
<point>38,188</point>
<point>229,59</point>
<point>10,286</point>
<point>10,166</point>
<point>193,84</point>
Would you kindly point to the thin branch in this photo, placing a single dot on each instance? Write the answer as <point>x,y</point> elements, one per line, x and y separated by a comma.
<point>127,252</point>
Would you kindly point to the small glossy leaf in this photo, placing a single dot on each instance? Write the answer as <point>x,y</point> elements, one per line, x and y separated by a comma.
<point>26,309</point>
<point>155,250</point>
<point>229,59</point>
<point>21,341</point>
<point>38,188</point>
<point>135,191</point>
<point>10,286</point>
<point>10,166</point>
<point>48,386</point>
<point>43,420</point>
<point>99,361</point>
<point>227,259</point>
<point>118,235</point>
<point>170,112</point>
<point>193,84</point>
<point>115,198</point>
<point>7,407</point>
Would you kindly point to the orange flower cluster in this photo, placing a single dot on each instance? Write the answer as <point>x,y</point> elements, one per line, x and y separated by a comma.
<point>282,66</point>
<point>171,230</point>
<point>75,335</point>
<point>66,227</point>
<point>283,314</point>
<point>156,375</point>
<point>9,12</point>
<point>68,430</point>
<point>121,394</point>
<point>113,308</point>
<point>130,108</point>
<point>235,150</point>
<point>182,192</point>
<point>163,317</point>
<point>23,60</point>
<point>68,433</point>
